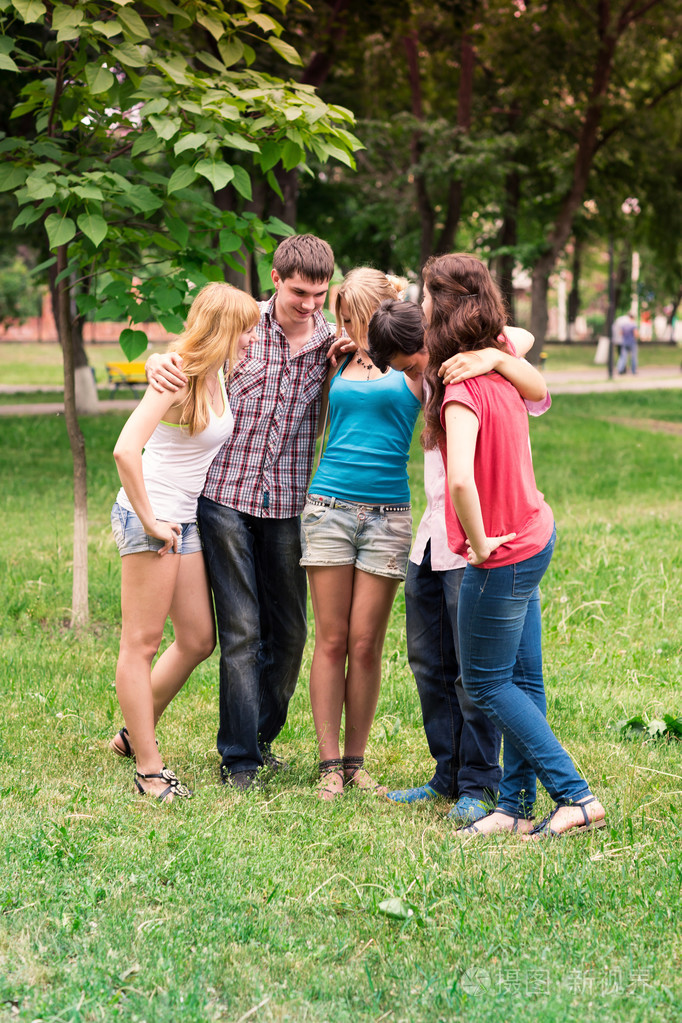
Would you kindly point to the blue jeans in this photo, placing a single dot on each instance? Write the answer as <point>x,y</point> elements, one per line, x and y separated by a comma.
<point>259,591</point>
<point>626,350</point>
<point>462,741</point>
<point>501,660</point>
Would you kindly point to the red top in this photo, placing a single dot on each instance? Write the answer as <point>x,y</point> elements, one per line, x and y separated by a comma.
<point>503,472</point>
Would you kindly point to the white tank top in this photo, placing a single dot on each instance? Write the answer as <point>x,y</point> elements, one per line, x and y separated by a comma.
<point>174,465</point>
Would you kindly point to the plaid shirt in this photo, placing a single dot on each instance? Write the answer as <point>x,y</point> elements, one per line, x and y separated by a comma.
<point>264,468</point>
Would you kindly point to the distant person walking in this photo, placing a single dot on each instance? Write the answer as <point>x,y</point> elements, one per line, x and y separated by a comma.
<point>629,336</point>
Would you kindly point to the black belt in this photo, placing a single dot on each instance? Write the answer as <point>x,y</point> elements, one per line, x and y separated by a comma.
<point>334,502</point>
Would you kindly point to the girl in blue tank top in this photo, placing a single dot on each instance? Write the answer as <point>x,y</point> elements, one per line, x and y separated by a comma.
<point>356,533</point>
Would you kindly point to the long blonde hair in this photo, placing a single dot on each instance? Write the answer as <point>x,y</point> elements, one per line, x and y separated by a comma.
<point>217,317</point>
<point>364,289</point>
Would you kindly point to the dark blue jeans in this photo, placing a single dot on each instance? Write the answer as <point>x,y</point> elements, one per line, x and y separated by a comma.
<point>259,591</point>
<point>462,741</point>
<point>501,660</point>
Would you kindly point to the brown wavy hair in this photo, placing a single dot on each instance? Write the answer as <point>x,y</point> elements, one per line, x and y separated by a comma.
<point>467,314</point>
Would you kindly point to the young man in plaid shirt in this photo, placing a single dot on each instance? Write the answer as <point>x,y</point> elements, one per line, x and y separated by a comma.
<point>249,511</point>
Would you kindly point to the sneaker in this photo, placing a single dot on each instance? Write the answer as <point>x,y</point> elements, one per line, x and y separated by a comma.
<point>467,810</point>
<point>273,763</point>
<point>416,795</point>
<point>243,780</point>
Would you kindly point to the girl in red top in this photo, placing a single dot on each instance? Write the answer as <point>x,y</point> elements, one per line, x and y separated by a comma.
<point>500,522</point>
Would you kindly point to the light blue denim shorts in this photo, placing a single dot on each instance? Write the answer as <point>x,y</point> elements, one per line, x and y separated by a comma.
<point>375,538</point>
<point>131,538</point>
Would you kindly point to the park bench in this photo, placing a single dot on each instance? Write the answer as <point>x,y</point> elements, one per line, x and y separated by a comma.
<point>126,374</point>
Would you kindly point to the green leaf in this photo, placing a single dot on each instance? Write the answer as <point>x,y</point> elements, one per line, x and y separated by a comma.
<point>270,154</point>
<point>277,226</point>
<point>171,322</point>
<point>266,23</point>
<point>129,55</point>
<point>155,106</point>
<point>144,143</point>
<point>12,178</point>
<point>28,215</point>
<point>64,16</point>
<point>242,182</point>
<point>38,188</point>
<point>178,230</point>
<point>100,79</point>
<point>674,725</point>
<point>231,50</point>
<point>30,10</point>
<point>340,154</point>
<point>60,229</point>
<point>210,61</point>
<point>94,227</point>
<point>107,28</point>
<point>229,242</point>
<point>218,173</point>
<point>143,199</point>
<point>181,177</point>
<point>274,184</point>
<point>212,25</point>
<point>6,63</point>
<point>239,142</point>
<point>284,50</point>
<point>193,140</point>
<point>86,303</point>
<point>292,155</point>
<point>396,908</point>
<point>134,27</point>
<point>165,127</point>
<point>133,343</point>
<point>168,299</point>
<point>656,728</point>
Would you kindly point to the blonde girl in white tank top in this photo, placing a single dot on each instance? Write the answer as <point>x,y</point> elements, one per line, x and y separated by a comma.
<point>162,565</point>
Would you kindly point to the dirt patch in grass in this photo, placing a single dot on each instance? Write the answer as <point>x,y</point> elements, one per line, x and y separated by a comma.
<point>652,425</point>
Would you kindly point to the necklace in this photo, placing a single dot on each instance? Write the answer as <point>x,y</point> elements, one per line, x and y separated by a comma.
<point>369,366</point>
<point>213,391</point>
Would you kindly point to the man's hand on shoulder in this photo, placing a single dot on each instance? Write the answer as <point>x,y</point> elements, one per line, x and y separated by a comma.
<point>342,346</point>
<point>164,372</point>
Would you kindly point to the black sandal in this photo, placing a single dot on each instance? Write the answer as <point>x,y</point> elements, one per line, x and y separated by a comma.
<point>175,787</point>
<point>545,830</point>
<point>127,750</point>
<point>326,769</point>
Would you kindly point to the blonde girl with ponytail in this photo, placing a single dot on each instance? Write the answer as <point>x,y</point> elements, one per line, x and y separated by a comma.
<point>162,455</point>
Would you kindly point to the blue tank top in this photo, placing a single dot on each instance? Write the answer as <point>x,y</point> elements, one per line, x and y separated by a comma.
<point>370,431</point>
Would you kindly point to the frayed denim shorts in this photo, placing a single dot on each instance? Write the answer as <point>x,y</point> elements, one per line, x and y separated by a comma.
<point>131,538</point>
<point>374,538</point>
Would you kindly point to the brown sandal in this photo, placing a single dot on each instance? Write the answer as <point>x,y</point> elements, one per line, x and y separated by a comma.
<point>327,768</point>
<point>355,776</point>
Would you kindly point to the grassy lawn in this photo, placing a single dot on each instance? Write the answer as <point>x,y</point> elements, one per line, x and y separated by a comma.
<point>268,907</point>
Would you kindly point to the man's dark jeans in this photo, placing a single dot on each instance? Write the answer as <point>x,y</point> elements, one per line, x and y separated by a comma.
<point>259,591</point>
<point>462,741</point>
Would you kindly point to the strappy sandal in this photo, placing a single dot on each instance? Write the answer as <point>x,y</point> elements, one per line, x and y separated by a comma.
<point>327,768</point>
<point>545,830</point>
<point>355,776</point>
<point>473,829</point>
<point>174,790</point>
<point>127,752</point>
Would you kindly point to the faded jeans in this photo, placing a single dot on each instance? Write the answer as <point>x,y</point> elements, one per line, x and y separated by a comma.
<point>501,661</point>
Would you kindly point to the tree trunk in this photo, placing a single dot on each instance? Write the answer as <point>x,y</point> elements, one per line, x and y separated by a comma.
<point>574,293</point>
<point>538,312</point>
<point>508,241</point>
<point>467,65</point>
<point>424,206</point>
<point>87,399</point>
<point>79,601</point>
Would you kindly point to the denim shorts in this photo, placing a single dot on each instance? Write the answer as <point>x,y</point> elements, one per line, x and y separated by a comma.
<point>375,538</point>
<point>131,538</point>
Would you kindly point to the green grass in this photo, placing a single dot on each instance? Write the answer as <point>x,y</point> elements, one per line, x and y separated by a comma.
<point>266,907</point>
<point>581,356</point>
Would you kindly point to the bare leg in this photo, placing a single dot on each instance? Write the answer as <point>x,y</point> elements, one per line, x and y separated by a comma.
<point>191,613</point>
<point>373,597</point>
<point>147,587</point>
<point>331,591</point>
